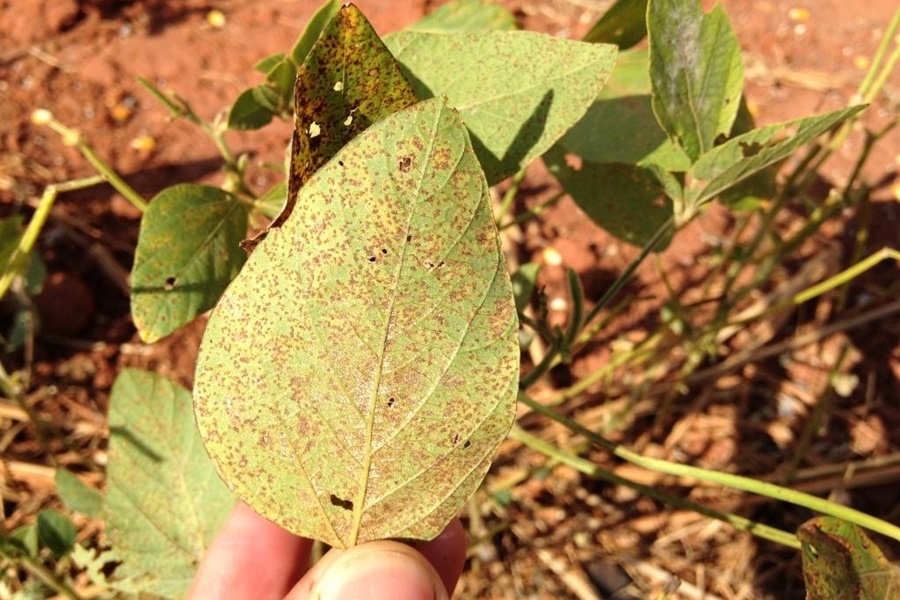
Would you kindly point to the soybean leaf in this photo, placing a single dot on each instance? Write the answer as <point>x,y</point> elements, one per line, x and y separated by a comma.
<point>517,91</point>
<point>23,541</point>
<point>77,495</point>
<point>357,377</point>
<point>467,15</point>
<point>523,283</point>
<point>348,81</point>
<point>748,154</point>
<point>186,254</point>
<point>696,72</point>
<point>840,562</point>
<point>271,203</point>
<point>624,24</point>
<point>268,63</point>
<point>248,113</point>
<point>620,127</point>
<point>626,200</point>
<point>56,532</point>
<point>313,30</point>
<point>165,501</point>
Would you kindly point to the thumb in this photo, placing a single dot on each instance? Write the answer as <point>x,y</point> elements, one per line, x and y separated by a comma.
<point>377,570</point>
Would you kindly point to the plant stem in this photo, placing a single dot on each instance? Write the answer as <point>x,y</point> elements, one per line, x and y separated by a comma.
<point>738,482</point>
<point>590,469</point>
<point>29,237</point>
<point>73,138</point>
<point>49,578</point>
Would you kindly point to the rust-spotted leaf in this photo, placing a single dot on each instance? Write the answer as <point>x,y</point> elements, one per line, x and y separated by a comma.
<point>358,375</point>
<point>347,82</point>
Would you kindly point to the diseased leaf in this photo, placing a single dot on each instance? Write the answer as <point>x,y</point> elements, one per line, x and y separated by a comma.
<point>467,15</point>
<point>165,501</point>
<point>77,495</point>
<point>840,562</point>
<point>56,532</point>
<point>517,91</point>
<point>620,127</point>
<point>357,377</point>
<point>348,81</point>
<point>187,252</point>
<point>747,154</point>
<point>624,24</point>
<point>627,201</point>
<point>696,72</point>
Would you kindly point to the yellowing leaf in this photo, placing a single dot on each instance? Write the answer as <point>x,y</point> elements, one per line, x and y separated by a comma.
<point>358,375</point>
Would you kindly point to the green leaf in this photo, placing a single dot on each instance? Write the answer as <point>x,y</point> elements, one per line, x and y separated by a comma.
<point>696,72</point>
<point>313,30</point>
<point>23,541</point>
<point>187,252</point>
<point>517,91</point>
<point>248,113</point>
<point>840,562</point>
<point>523,282</point>
<point>348,81</point>
<point>165,501</point>
<point>467,15</point>
<point>271,203</point>
<point>620,126</point>
<point>626,200</point>
<point>56,532</point>
<point>77,495</point>
<point>357,377</point>
<point>747,154</point>
<point>269,62</point>
<point>624,24</point>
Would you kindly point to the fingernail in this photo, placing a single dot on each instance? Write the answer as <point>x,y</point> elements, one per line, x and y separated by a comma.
<point>385,574</point>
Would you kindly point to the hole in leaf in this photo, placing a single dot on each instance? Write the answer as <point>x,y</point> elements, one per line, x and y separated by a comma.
<point>441,264</point>
<point>467,444</point>
<point>405,164</point>
<point>384,250</point>
<point>409,238</point>
<point>751,149</point>
<point>372,259</point>
<point>340,162</point>
<point>391,402</point>
<point>345,504</point>
<point>455,439</point>
<point>170,284</point>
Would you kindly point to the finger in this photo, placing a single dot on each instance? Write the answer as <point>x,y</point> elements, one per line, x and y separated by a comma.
<point>250,557</point>
<point>447,552</point>
<point>388,569</point>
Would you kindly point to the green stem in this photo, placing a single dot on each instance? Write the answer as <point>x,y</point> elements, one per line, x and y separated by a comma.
<point>737,482</point>
<point>509,197</point>
<point>620,282</point>
<point>72,137</point>
<point>590,469</point>
<point>47,576</point>
<point>41,213</point>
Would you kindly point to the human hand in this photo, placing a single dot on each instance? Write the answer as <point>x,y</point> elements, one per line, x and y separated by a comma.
<point>253,558</point>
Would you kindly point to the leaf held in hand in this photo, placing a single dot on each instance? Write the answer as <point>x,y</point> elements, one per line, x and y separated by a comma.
<point>357,377</point>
